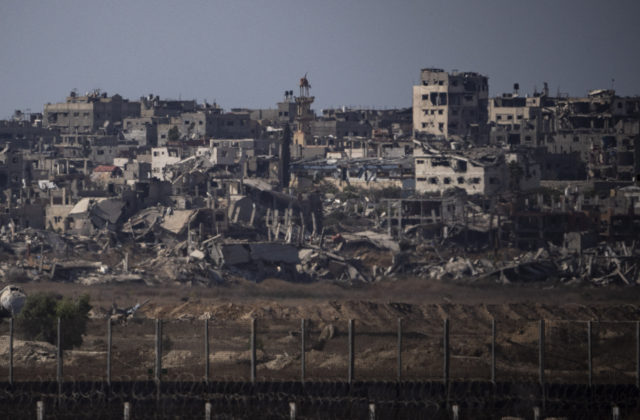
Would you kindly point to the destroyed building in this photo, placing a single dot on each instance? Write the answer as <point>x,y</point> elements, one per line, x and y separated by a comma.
<point>592,137</point>
<point>451,104</point>
<point>521,120</point>
<point>366,173</point>
<point>484,171</point>
<point>197,195</point>
<point>25,131</point>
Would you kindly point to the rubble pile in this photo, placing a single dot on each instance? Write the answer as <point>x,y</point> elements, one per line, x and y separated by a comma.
<point>162,245</point>
<point>221,229</point>
<point>600,265</point>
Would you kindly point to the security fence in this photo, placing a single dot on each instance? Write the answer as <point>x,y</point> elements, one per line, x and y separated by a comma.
<point>289,368</point>
<point>542,351</point>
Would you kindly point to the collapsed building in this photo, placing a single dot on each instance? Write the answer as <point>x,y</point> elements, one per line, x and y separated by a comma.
<point>484,171</point>
<point>172,190</point>
<point>594,137</point>
<point>373,173</point>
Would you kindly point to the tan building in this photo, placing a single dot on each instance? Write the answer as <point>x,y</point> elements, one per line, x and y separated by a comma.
<point>520,120</point>
<point>451,104</point>
<point>107,174</point>
<point>86,114</point>
<point>484,171</point>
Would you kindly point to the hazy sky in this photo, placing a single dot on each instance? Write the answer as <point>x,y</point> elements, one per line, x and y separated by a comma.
<point>366,52</point>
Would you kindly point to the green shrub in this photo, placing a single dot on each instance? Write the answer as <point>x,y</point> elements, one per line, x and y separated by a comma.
<point>386,192</point>
<point>38,319</point>
<point>349,192</point>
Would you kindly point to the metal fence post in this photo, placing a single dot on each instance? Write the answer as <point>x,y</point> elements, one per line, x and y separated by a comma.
<point>40,410</point>
<point>303,334</point>
<point>446,352</point>
<point>158,349</point>
<point>127,411</point>
<point>493,350</point>
<point>351,351</point>
<point>638,354</point>
<point>206,350</point>
<point>59,360</point>
<point>589,352</point>
<point>293,411</point>
<point>207,411</point>
<point>109,345</point>
<point>399,349</point>
<point>541,352</point>
<point>253,350</point>
<point>11,351</point>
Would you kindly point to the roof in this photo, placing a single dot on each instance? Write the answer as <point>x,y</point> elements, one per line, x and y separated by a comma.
<point>109,210</point>
<point>479,156</point>
<point>258,183</point>
<point>83,205</point>
<point>177,221</point>
<point>105,168</point>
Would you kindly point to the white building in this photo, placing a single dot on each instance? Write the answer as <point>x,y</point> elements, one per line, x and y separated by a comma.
<point>487,172</point>
<point>161,157</point>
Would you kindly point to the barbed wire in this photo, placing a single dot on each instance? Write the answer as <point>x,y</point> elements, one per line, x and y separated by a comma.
<point>182,390</point>
<point>322,399</point>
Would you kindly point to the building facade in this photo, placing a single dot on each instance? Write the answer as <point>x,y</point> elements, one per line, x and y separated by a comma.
<point>451,104</point>
<point>87,114</point>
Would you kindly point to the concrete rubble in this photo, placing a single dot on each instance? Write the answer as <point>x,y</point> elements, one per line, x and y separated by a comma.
<point>263,234</point>
<point>176,192</point>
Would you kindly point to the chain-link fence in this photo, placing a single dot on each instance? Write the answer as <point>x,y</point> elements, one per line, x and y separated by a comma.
<point>408,368</point>
<point>551,351</point>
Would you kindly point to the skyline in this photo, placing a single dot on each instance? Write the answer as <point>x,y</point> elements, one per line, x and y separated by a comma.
<point>246,54</point>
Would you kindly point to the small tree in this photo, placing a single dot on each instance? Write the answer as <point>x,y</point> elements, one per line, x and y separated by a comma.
<point>173,134</point>
<point>39,316</point>
<point>515,176</point>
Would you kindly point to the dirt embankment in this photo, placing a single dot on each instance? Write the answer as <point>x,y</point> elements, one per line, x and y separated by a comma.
<point>381,314</point>
<point>409,298</point>
<point>421,304</point>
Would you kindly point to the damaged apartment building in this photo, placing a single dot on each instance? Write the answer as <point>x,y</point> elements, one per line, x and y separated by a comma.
<point>198,189</point>
<point>366,173</point>
<point>479,171</point>
<point>604,129</point>
<point>451,105</point>
<point>593,137</point>
<point>89,113</point>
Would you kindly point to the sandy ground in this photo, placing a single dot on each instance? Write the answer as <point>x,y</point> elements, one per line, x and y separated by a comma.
<point>423,305</point>
<point>402,290</point>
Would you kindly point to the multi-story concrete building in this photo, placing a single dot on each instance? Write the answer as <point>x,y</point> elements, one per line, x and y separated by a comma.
<point>142,130</point>
<point>153,106</point>
<point>603,129</point>
<point>14,170</point>
<point>340,124</point>
<point>478,171</point>
<point>24,131</point>
<point>520,120</point>
<point>451,104</point>
<point>236,124</point>
<point>162,157</point>
<point>87,114</point>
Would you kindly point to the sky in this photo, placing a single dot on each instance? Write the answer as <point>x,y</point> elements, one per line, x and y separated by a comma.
<point>356,53</point>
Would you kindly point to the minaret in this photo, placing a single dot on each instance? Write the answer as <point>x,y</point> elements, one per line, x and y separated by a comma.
<point>302,136</point>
